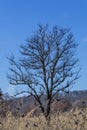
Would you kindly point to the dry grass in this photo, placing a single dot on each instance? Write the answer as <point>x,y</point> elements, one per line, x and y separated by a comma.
<point>72,120</point>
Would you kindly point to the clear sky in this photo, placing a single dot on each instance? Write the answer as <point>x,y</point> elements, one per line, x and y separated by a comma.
<point>19,18</point>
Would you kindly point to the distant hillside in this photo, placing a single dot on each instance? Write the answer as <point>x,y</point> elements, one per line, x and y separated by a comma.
<point>78,95</point>
<point>72,96</point>
<point>25,104</point>
<point>76,98</point>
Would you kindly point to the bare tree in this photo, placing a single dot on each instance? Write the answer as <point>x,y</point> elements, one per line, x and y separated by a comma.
<point>47,65</point>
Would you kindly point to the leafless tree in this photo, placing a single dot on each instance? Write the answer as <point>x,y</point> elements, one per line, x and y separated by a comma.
<point>47,65</point>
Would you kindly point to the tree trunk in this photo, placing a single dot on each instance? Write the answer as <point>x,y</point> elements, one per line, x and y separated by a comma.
<point>47,115</point>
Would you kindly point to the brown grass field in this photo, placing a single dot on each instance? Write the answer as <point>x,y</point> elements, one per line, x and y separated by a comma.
<point>71,120</point>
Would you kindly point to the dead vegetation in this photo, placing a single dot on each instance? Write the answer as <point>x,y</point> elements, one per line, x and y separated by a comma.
<point>70,120</point>
<point>64,116</point>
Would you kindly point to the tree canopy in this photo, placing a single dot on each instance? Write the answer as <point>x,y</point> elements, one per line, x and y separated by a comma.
<point>47,64</point>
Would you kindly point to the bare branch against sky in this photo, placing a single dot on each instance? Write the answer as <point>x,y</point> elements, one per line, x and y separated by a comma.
<point>47,65</point>
<point>18,18</point>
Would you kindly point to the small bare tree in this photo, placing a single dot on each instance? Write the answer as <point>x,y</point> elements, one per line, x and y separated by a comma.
<point>47,65</point>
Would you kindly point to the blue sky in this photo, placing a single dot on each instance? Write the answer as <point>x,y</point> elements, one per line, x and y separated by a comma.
<point>19,18</point>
